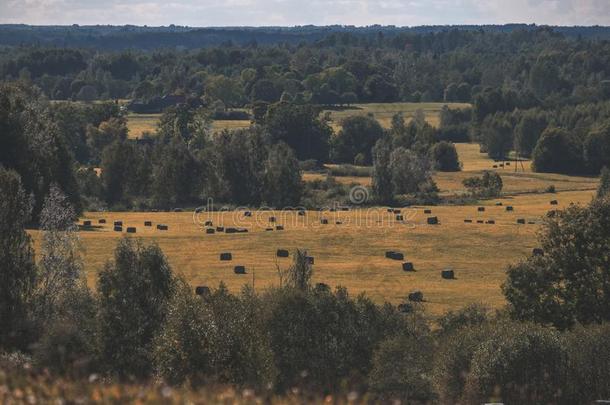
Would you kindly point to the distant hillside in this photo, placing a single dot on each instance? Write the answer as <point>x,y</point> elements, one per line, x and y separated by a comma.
<point>133,37</point>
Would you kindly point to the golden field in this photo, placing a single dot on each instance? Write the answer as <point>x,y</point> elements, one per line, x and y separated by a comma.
<point>383,112</point>
<point>351,254</point>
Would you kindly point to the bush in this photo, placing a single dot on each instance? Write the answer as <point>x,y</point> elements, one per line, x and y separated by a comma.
<point>445,156</point>
<point>519,363</point>
<point>402,369</point>
<point>472,315</point>
<point>486,186</point>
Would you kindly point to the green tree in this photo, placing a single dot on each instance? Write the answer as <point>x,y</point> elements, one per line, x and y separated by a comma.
<point>528,131</point>
<point>409,171</point>
<point>597,148</point>
<point>604,183</point>
<point>557,152</point>
<point>488,185</point>
<point>445,156</point>
<point>570,282</point>
<point>134,290</point>
<point>282,183</point>
<point>382,175</point>
<point>17,266</point>
<point>358,135</point>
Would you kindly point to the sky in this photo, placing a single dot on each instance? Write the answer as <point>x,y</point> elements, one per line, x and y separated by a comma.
<point>203,13</point>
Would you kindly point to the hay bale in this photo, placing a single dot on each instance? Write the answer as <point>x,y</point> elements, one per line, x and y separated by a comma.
<point>210,231</point>
<point>495,166</point>
<point>394,255</point>
<point>338,223</point>
<point>390,210</point>
<point>490,222</point>
<point>268,229</point>
<point>324,221</point>
<point>448,274</point>
<point>310,259</point>
<point>481,209</point>
<point>162,227</point>
<point>468,221</point>
<point>118,229</point>
<point>178,210</point>
<point>501,165</point>
<point>432,220</point>
<point>147,223</point>
<point>416,296</point>
<point>537,252</point>
<point>208,223</point>
<point>101,221</point>
<point>531,223</point>
<point>554,202</point>
<point>399,218</point>
<point>397,211</point>
<point>271,219</point>
<point>242,230</point>
<point>521,221</point>
<point>480,221</point>
<point>131,229</point>
<point>301,213</point>
<point>282,253</point>
<point>87,223</point>
<point>507,164</point>
<point>333,210</point>
<point>231,230</point>
<point>220,229</point>
<point>247,214</point>
<point>344,208</point>
<point>498,204</point>
<point>202,291</point>
<point>408,266</point>
<point>509,208</point>
<point>226,256</point>
<point>239,269</point>
<point>118,223</point>
<point>279,227</point>
<point>427,211</point>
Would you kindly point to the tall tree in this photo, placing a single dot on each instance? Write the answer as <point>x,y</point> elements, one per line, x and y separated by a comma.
<point>282,183</point>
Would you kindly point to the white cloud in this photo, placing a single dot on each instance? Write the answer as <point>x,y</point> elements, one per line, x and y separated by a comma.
<point>300,12</point>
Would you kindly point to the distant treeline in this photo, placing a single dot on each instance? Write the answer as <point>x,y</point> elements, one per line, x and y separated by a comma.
<point>133,37</point>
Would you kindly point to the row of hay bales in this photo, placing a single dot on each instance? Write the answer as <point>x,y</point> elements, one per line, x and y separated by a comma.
<point>118,225</point>
<point>447,274</point>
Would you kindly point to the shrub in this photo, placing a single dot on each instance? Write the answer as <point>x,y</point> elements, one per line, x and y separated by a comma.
<point>488,185</point>
<point>469,316</point>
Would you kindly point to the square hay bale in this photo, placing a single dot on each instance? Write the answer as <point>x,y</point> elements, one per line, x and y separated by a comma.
<point>210,231</point>
<point>338,223</point>
<point>231,230</point>
<point>490,222</point>
<point>507,164</point>
<point>247,214</point>
<point>242,230</point>
<point>226,256</point>
<point>428,211</point>
<point>468,221</point>
<point>509,208</point>
<point>480,221</point>
<point>537,252</point>
<point>118,228</point>
<point>268,229</point>
<point>310,259</point>
<point>481,209</point>
<point>147,223</point>
<point>162,227</point>
<point>344,208</point>
<point>208,223</point>
<point>554,202</point>
<point>394,255</point>
<point>118,223</point>
<point>239,270</point>
<point>416,296</point>
<point>531,223</point>
<point>202,291</point>
<point>87,223</point>
<point>101,221</point>
<point>282,253</point>
<point>279,227</point>
<point>498,204</point>
<point>501,165</point>
<point>495,166</point>
<point>521,221</point>
<point>432,220</point>
<point>301,213</point>
<point>390,210</point>
<point>399,218</point>
<point>448,274</point>
<point>397,211</point>
<point>333,210</point>
<point>408,266</point>
<point>131,229</point>
<point>272,219</point>
<point>324,221</point>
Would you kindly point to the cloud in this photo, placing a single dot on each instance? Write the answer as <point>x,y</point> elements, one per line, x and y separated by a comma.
<point>301,12</point>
